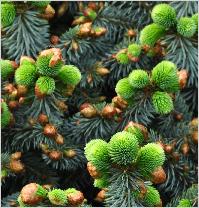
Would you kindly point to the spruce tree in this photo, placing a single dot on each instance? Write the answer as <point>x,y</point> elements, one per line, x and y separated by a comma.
<point>99,103</point>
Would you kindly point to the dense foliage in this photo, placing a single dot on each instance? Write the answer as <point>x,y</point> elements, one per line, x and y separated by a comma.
<point>99,103</point>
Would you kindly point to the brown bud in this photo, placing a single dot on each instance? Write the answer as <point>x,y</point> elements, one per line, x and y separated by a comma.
<point>183,76</point>
<point>80,20</point>
<point>21,100</point>
<point>75,45</point>
<point>45,148</point>
<point>101,196</point>
<point>81,6</point>
<point>13,104</point>
<point>54,39</point>
<point>133,58</point>
<point>92,170</point>
<point>100,31</point>
<point>194,123</point>
<point>61,105</point>
<point>50,131</point>
<point>59,139</point>
<point>75,198</point>
<point>42,119</point>
<point>14,64</point>
<point>185,148</point>
<point>27,58</point>
<point>16,156</point>
<point>139,126</point>
<point>118,111</point>
<point>102,71</point>
<point>13,94</point>
<point>69,90</point>
<point>108,111</point>
<point>143,188</point>
<point>158,176</point>
<point>146,48</point>
<point>89,78</point>
<point>158,49</point>
<point>16,166</point>
<point>89,112</point>
<point>195,137</point>
<point>119,102</point>
<point>55,155</point>
<point>84,105</point>
<point>168,148</point>
<point>101,4</point>
<point>70,153</point>
<point>29,194</point>
<point>38,93</point>
<point>32,121</point>
<point>176,156</point>
<point>85,29</point>
<point>9,88</point>
<point>179,116</point>
<point>62,9</point>
<point>131,33</point>
<point>47,186</point>
<point>93,5</point>
<point>49,13</point>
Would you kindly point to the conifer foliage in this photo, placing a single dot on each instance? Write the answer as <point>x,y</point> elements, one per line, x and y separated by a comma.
<point>99,103</point>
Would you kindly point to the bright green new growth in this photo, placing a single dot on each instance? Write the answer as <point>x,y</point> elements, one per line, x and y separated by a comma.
<point>70,191</point>
<point>88,147</point>
<point>136,132</point>
<point>43,67</point>
<point>138,79</point>
<point>150,157</point>
<point>164,15</point>
<point>134,50</point>
<point>70,74</point>
<point>6,69</point>
<point>186,27</point>
<point>5,115</point>
<point>123,148</point>
<point>97,153</point>
<point>25,75</point>
<point>26,62</point>
<point>41,191</point>
<point>92,14</point>
<point>124,89</point>
<point>46,85</point>
<point>151,34</point>
<point>164,75</point>
<point>4,173</point>
<point>184,203</point>
<point>122,58</point>
<point>195,19</point>
<point>152,197</point>
<point>101,182</point>
<point>162,102</point>
<point>8,14</point>
<point>57,197</point>
<point>40,4</point>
